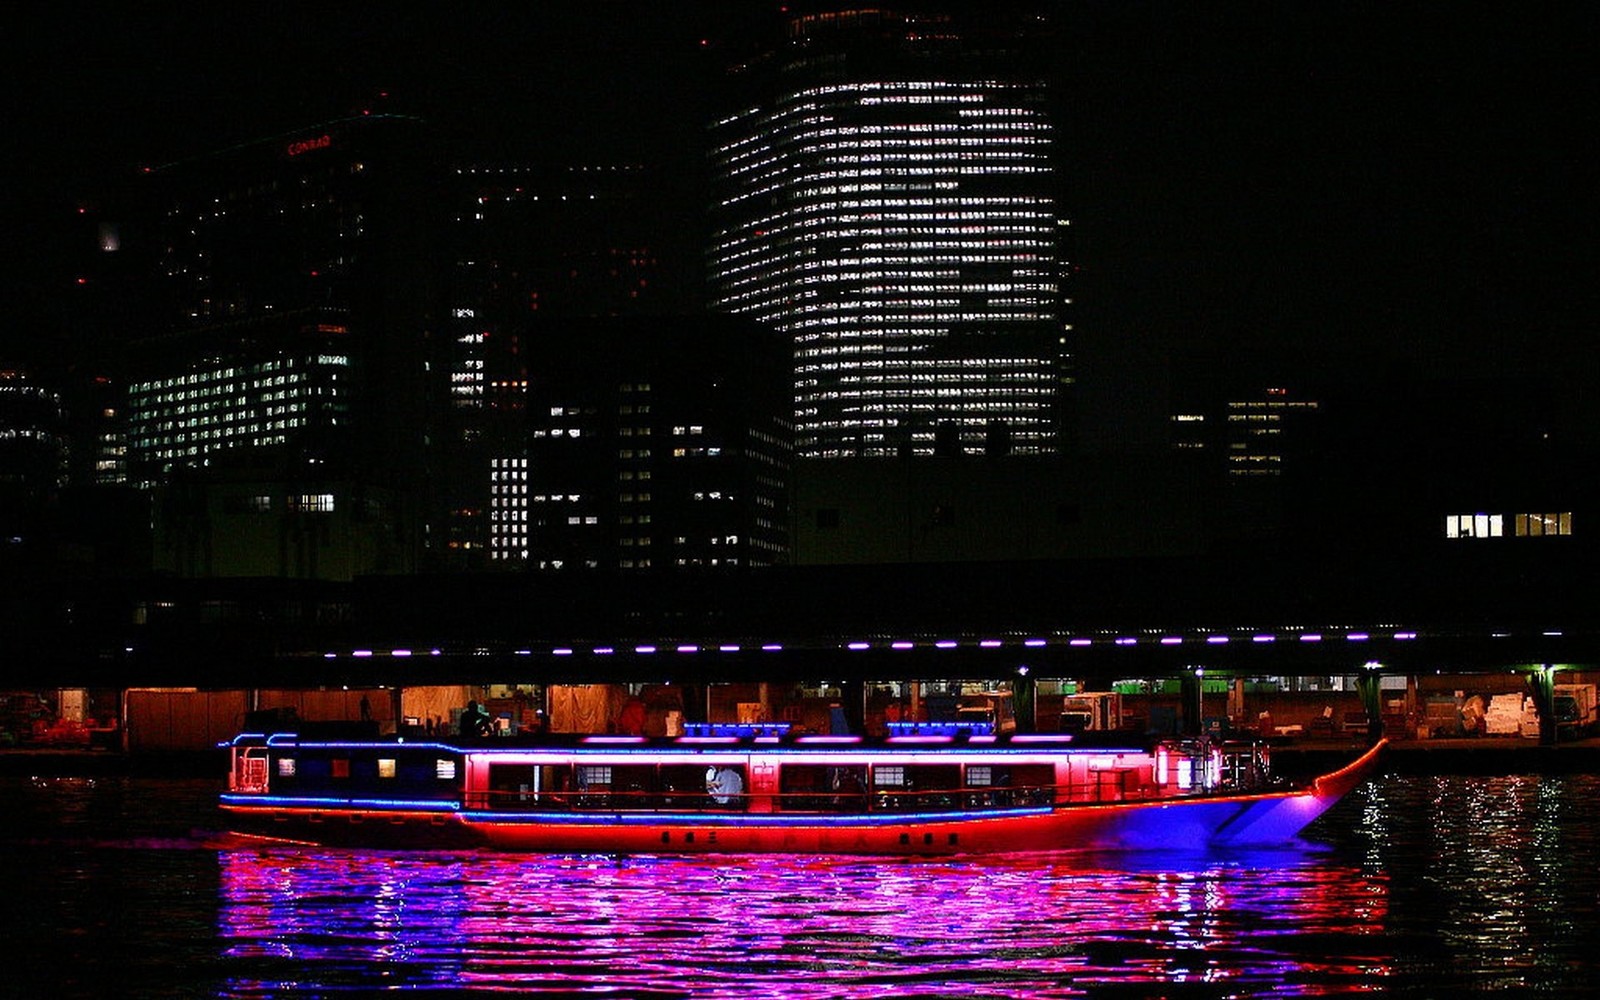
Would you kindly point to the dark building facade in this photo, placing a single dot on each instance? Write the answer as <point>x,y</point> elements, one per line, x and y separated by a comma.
<point>293,334</point>
<point>887,195</point>
<point>650,444</point>
<point>530,243</point>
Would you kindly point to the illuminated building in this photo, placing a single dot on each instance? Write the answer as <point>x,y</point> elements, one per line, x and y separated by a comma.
<point>887,196</point>
<point>649,443</point>
<point>291,339</point>
<point>530,243</point>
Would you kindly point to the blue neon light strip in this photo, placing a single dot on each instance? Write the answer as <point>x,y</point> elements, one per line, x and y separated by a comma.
<point>308,802</point>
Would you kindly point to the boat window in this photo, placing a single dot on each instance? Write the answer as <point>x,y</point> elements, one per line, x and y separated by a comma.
<point>444,769</point>
<point>339,767</point>
<point>918,786</point>
<point>285,767</point>
<point>822,788</point>
<point>980,775</point>
<point>386,767</point>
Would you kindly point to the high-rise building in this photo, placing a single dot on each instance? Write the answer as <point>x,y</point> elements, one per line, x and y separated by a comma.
<point>650,443</point>
<point>293,348</point>
<point>531,243</point>
<point>886,194</point>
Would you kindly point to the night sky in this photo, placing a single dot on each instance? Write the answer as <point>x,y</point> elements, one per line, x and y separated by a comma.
<point>1282,187</point>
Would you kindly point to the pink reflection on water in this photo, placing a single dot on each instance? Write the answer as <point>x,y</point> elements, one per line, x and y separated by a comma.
<point>1288,922</point>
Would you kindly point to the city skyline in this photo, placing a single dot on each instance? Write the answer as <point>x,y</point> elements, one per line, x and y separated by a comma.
<point>1282,187</point>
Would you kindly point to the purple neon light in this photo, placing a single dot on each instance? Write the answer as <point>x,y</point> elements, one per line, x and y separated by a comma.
<point>1357,637</point>
<point>837,740</point>
<point>901,645</point>
<point>611,740</point>
<point>524,652</point>
<point>1217,640</point>
<point>603,650</point>
<point>921,739</point>
<point>1264,638</point>
<point>945,644</point>
<point>1311,637</point>
<point>1405,635</point>
<point>1035,643</point>
<point>561,651</point>
<point>330,656</point>
<point>989,644</point>
<point>1080,642</point>
<point>644,649</point>
<point>772,647</point>
<point>1127,641</point>
<point>688,648</point>
<point>362,653</point>
<point>859,645</point>
<point>400,653</point>
<point>1172,640</point>
<point>728,648</point>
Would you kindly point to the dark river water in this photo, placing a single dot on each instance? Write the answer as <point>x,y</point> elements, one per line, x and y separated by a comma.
<point>1414,886</point>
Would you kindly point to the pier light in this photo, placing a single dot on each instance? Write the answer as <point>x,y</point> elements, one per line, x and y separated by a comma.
<point>1172,640</point>
<point>1553,634</point>
<point>1080,642</point>
<point>524,652</point>
<point>731,647</point>
<point>1311,637</point>
<point>859,646</point>
<point>688,648</point>
<point>1035,643</point>
<point>400,653</point>
<point>1402,636</point>
<point>945,644</point>
<point>363,653</point>
<point>435,652</point>
<point>901,644</point>
<point>1217,640</point>
<point>1372,665</point>
<point>644,650</point>
<point>330,656</point>
<point>1264,638</point>
<point>1358,637</point>
<point>1127,641</point>
<point>603,650</point>
<point>561,651</point>
<point>1022,670</point>
<point>772,647</point>
<point>989,644</point>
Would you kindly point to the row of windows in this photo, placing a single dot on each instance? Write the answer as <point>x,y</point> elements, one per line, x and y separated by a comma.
<point>1494,525</point>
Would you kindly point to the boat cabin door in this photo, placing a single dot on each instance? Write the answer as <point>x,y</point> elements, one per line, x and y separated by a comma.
<point>249,772</point>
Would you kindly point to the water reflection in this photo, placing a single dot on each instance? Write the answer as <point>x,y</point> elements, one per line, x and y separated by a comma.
<point>1292,922</point>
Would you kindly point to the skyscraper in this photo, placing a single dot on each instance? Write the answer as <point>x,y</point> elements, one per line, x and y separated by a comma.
<point>288,376</point>
<point>886,195</point>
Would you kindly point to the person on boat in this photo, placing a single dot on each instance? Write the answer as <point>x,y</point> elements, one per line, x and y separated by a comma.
<point>723,784</point>
<point>475,721</point>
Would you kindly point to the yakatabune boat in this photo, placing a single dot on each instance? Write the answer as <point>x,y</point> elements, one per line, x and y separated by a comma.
<point>912,794</point>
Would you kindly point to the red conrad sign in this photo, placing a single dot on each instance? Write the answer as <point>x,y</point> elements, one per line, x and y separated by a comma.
<point>307,145</point>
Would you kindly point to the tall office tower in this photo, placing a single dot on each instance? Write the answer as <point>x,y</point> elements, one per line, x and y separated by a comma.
<point>885,194</point>
<point>650,443</point>
<point>530,243</point>
<point>286,390</point>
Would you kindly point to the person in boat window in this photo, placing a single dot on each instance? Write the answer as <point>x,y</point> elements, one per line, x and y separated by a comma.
<point>723,784</point>
<point>475,721</point>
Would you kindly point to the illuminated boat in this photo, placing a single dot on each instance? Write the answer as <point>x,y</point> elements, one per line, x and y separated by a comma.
<point>920,793</point>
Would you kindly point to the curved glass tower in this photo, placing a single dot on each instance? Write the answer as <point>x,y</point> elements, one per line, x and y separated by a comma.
<point>887,197</point>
